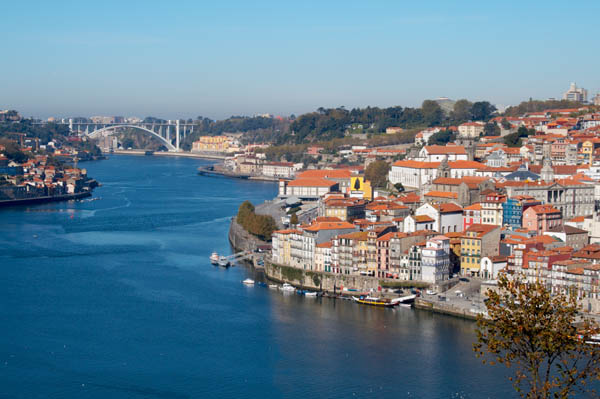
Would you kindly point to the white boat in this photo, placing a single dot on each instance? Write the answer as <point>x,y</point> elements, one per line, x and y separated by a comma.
<point>214,258</point>
<point>273,286</point>
<point>287,287</point>
<point>248,281</point>
<point>404,300</point>
<point>311,293</point>
<point>223,261</point>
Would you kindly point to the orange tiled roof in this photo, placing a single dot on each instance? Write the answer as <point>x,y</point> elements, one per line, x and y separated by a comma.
<point>442,194</point>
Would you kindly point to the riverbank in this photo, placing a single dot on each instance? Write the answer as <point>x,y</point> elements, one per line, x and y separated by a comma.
<point>218,170</point>
<point>43,200</point>
<point>169,154</point>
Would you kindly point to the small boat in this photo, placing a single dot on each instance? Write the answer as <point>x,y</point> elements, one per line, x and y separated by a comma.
<point>223,262</point>
<point>287,287</point>
<point>214,258</point>
<point>311,294</point>
<point>404,300</point>
<point>248,281</point>
<point>373,301</point>
<point>273,286</point>
<point>300,292</point>
<point>261,284</point>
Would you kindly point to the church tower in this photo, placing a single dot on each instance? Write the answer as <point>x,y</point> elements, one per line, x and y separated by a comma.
<point>547,173</point>
<point>444,168</point>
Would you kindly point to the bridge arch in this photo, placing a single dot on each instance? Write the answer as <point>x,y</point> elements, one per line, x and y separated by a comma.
<point>111,129</point>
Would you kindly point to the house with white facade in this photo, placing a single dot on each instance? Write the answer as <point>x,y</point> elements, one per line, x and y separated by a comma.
<point>471,129</point>
<point>437,153</point>
<point>415,174</point>
<point>435,260</point>
<point>448,217</point>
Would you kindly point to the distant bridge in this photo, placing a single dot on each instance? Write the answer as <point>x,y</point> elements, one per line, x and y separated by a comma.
<point>170,133</point>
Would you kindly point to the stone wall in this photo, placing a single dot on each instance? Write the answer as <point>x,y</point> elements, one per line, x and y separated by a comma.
<point>241,240</point>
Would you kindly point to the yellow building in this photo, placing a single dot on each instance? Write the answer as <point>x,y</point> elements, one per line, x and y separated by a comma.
<point>477,241</point>
<point>361,188</point>
<point>212,144</point>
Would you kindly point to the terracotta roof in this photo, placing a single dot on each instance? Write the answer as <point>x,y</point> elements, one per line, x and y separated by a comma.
<point>541,209</point>
<point>325,173</point>
<point>357,235</point>
<point>326,244</point>
<point>480,229</point>
<point>442,194</point>
<point>474,207</point>
<point>442,149</point>
<point>449,207</point>
<point>311,182</point>
<point>422,218</point>
<point>328,226</point>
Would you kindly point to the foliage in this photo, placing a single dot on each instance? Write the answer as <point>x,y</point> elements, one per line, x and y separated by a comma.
<point>261,226</point>
<point>442,137</point>
<point>538,106</point>
<point>377,173</point>
<point>505,124</point>
<point>45,133</point>
<point>291,273</point>
<point>399,187</point>
<point>533,332</point>
<point>491,129</point>
<point>315,278</point>
<point>514,139</point>
<point>294,219</point>
<point>13,151</point>
<point>482,111</point>
<point>432,113</point>
<point>462,110</point>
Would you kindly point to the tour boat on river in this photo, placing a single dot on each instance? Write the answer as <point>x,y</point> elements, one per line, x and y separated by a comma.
<point>373,301</point>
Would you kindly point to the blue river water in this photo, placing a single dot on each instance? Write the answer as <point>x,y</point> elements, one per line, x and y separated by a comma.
<point>116,298</point>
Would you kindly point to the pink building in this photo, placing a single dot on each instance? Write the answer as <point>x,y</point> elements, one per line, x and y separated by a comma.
<point>541,218</point>
<point>471,215</point>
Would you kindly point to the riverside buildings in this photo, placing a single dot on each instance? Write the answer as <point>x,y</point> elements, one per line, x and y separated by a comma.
<point>508,210</point>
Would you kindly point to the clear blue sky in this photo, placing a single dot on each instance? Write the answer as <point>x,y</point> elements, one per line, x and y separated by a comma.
<point>215,59</point>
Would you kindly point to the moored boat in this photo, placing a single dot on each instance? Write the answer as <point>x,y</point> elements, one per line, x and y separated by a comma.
<point>273,286</point>
<point>223,262</point>
<point>287,287</point>
<point>310,293</point>
<point>373,301</point>
<point>405,300</point>
<point>214,258</point>
<point>248,281</point>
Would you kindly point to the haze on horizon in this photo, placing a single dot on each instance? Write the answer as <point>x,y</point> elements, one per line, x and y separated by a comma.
<point>241,58</point>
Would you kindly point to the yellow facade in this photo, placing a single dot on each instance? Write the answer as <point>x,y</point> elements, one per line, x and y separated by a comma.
<point>212,143</point>
<point>337,212</point>
<point>470,251</point>
<point>359,184</point>
<point>587,148</point>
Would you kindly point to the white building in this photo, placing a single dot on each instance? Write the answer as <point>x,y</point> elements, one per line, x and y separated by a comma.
<point>435,260</point>
<point>437,153</point>
<point>575,93</point>
<point>285,170</point>
<point>471,129</point>
<point>491,265</point>
<point>448,217</point>
<point>416,174</point>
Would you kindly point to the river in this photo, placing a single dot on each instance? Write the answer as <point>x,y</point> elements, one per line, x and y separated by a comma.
<point>116,298</point>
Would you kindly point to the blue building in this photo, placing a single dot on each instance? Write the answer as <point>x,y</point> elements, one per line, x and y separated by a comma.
<point>513,208</point>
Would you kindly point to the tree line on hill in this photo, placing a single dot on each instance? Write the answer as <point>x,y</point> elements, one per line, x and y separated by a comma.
<point>540,105</point>
<point>261,226</point>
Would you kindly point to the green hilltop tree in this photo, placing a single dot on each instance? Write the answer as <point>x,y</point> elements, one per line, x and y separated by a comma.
<point>294,219</point>
<point>533,332</point>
